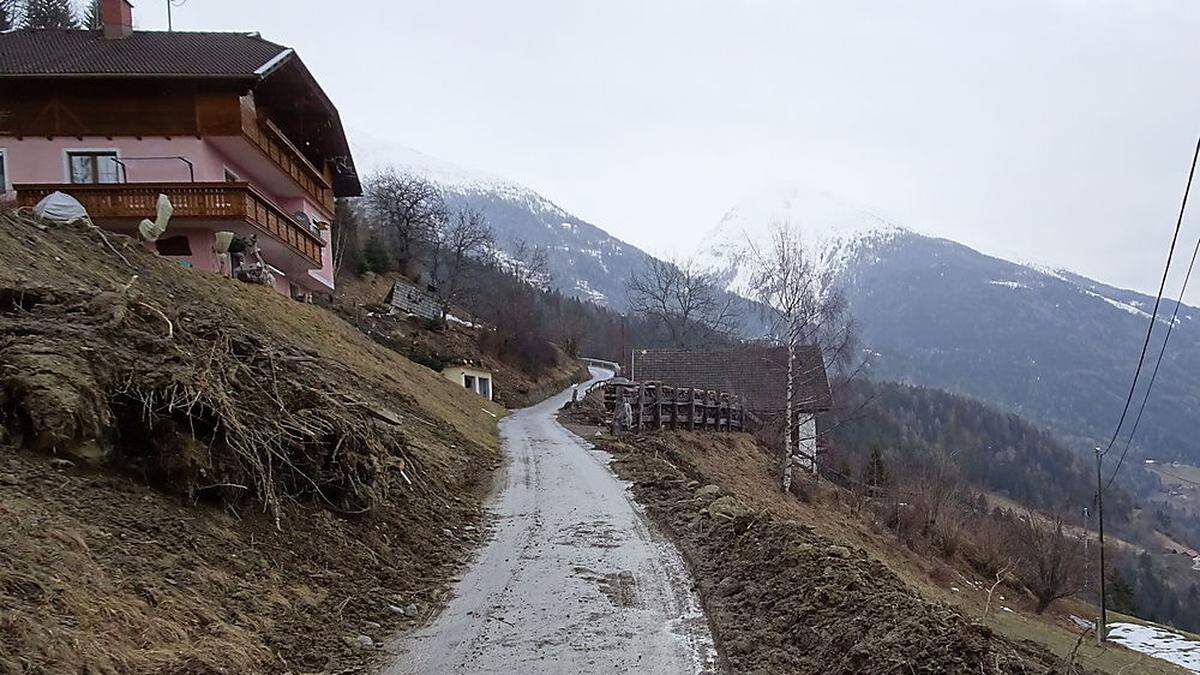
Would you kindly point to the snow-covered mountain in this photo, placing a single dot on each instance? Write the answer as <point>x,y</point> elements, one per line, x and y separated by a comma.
<point>585,261</point>
<point>1055,347</point>
<point>830,227</point>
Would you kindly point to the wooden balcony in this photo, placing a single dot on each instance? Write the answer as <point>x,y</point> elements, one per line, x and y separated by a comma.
<point>191,201</point>
<point>267,137</point>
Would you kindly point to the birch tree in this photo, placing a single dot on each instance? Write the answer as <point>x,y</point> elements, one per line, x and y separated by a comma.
<point>802,310</point>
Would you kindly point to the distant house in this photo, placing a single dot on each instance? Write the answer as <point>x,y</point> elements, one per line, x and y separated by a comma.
<point>471,377</point>
<point>232,128</point>
<point>409,298</point>
<point>757,373</point>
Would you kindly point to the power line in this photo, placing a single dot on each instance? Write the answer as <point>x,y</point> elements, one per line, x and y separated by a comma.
<point>1154,375</point>
<point>1157,300</point>
<point>1102,625</point>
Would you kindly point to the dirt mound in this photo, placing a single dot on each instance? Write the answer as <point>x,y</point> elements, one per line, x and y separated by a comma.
<point>783,598</point>
<point>165,370</point>
<point>140,371</point>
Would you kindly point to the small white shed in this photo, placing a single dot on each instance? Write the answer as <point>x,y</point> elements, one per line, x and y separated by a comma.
<point>475,379</point>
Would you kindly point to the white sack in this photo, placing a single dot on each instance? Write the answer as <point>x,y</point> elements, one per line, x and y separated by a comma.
<point>59,207</point>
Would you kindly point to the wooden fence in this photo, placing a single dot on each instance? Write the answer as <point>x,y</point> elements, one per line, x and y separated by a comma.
<point>656,406</point>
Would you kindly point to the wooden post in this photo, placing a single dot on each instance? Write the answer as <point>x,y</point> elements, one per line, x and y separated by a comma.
<point>641,401</point>
<point>659,393</point>
<point>674,407</point>
<point>692,409</point>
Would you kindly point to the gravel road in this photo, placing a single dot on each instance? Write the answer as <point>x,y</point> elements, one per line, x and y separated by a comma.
<point>574,579</point>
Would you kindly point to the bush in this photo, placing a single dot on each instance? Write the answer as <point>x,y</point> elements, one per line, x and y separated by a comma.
<point>375,257</point>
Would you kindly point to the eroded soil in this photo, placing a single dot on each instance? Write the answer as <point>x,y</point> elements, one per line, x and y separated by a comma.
<point>780,596</point>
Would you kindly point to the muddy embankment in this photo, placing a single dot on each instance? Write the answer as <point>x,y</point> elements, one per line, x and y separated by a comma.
<point>780,596</point>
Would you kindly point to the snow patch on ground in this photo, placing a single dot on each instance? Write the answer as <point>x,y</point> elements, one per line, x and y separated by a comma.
<point>1008,284</point>
<point>1157,642</point>
<point>1055,272</point>
<point>585,289</point>
<point>1123,306</point>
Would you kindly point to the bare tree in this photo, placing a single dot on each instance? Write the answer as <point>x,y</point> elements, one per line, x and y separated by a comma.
<point>345,237</point>
<point>802,310</point>
<point>408,207</point>
<point>1052,562</point>
<point>459,240</point>
<point>682,297</point>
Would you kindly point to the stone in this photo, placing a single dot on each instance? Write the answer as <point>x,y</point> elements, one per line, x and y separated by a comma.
<point>708,493</point>
<point>359,642</point>
<point>838,552</point>
<point>726,507</point>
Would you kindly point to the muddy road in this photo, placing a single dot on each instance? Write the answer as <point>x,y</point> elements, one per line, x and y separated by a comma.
<point>574,579</point>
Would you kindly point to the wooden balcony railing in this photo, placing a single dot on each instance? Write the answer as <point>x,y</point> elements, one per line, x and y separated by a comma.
<point>284,154</point>
<point>191,201</point>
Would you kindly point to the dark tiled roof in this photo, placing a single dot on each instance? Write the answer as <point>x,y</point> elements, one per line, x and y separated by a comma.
<point>156,53</point>
<point>757,373</point>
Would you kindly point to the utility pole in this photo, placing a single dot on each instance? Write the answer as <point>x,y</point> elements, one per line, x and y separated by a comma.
<point>1102,625</point>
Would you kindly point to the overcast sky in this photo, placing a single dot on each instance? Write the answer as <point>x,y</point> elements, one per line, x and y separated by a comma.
<point>1057,131</point>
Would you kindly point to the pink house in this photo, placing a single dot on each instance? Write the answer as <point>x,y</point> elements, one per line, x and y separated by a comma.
<point>232,128</point>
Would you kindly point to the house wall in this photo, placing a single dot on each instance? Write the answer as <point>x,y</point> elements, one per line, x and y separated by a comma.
<point>324,275</point>
<point>44,160</point>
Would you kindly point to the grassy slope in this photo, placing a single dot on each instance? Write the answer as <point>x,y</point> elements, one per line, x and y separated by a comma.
<point>97,568</point>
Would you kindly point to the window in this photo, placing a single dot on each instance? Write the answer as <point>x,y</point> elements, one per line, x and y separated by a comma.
<point>92,166</point>
<point>177,245</point>
<point>485,387</point>
<point>469,382</point>
<point>3,171</point>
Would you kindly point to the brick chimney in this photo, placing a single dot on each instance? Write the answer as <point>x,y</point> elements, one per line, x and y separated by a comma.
<point>117,18</point>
